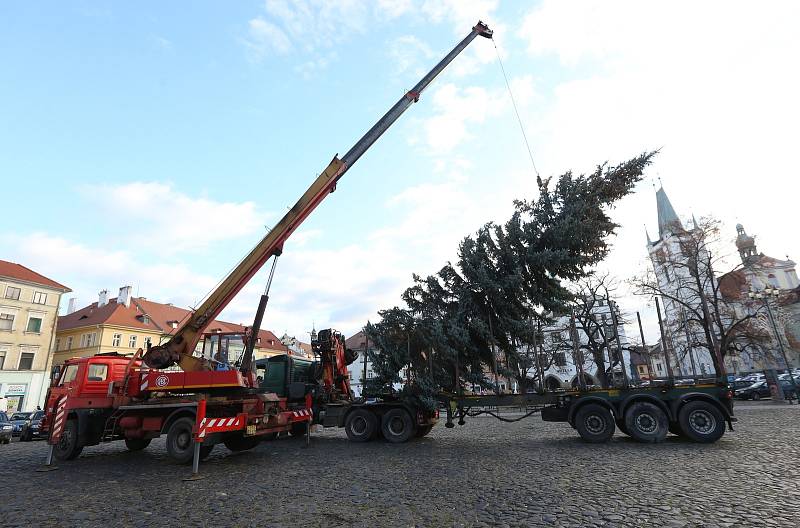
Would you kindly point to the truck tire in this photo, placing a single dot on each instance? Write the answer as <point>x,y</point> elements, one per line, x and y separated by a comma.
<point>646,422</point>
<point>594,423</point>
<point>136,444</point>
<point>423,430</point>
<point>361,425</point>
<point>69,445</point>
<point>702,422</point>
<point>397,426</point>
<point>180,444</point>
<point>298,429</point>
<point>241,443</point>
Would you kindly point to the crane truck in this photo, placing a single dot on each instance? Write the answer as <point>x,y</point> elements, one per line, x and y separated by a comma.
<point>197,401</point>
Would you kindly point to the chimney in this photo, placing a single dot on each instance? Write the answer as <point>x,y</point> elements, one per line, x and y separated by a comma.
<point>103,299</point>
<point>124,296</point>
<point>71,305</point>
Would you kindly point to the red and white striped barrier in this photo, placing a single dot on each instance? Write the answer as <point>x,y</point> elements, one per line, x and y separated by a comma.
<point>59,420</point>
<point>302,413</point>
<point>219,425</point>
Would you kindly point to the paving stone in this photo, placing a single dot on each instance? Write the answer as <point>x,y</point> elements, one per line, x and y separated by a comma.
<point>486,473</point>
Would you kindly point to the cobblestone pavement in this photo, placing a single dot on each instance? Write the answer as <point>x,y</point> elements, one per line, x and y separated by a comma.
<point>485,473</point>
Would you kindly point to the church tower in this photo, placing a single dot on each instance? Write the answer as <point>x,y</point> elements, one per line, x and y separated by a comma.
<point>746,245</point>
<point>675,281</point>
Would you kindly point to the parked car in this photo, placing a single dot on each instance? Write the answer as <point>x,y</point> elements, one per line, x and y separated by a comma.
<point>741,384</point>
<point>20,421</point>
<point>33,428</point>
<point>6,428</point>
<point>788,389</point>
<point>756,391</point>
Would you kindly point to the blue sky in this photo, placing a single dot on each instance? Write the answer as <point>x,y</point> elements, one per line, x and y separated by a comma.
<point>151,144</point>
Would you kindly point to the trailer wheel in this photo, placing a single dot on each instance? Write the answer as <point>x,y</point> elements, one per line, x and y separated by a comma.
<point>702,422</point>
<point>361,425</point>
<point>646,422</point>
<point>423,430</point>
<point>397,426</point>
<point>69,445</point>
<point>241,443</point>
<point>180,444</point>
<point>594,423</point>
<point>136,444</point>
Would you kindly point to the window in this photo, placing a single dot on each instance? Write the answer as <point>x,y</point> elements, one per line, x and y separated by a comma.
<point>26,361</point>
<point>2,358</point>
<point>97,372</point>
<point>116,340</point>
<point>132,342</point>
<point>69,343</point>
<point>34,324</point>
<point>88,340</point>
<point>13,293</point>
<point>39,298</point>
<point>147,342</point>
<point>58,344</point>
<point>560,359</point>
<point>6,322</point>
<point>69,374</point>
<point>658,367</point>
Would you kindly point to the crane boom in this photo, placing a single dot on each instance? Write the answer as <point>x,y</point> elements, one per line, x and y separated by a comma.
<point>179,349</point>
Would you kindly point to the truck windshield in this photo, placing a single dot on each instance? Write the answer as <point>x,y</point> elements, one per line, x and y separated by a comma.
<point>69,374</point>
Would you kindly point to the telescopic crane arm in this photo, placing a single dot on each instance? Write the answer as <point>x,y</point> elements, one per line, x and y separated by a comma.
<point>179,349</point>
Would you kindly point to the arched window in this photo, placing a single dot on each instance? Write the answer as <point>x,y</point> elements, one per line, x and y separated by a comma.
<point>773,280</point>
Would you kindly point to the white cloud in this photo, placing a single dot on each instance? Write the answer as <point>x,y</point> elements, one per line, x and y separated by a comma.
<point>709,82</point>
<point>456,109</point>
<point>87,270</point>
<point>157,216</point>
<point>266,37</point>
<point>410,53</point>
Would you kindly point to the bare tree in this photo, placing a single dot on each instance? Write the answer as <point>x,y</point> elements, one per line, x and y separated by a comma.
<point>687,279</point>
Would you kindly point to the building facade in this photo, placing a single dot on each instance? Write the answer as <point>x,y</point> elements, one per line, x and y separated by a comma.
<point>560,362</point>
<point>673,274</point>
<point>126,323</point>
<point>29,305</point>
<point>360,343</point>
<point>760,347</point>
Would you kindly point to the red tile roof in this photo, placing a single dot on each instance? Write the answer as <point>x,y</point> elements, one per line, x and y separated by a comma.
<point>159,319</point>
<point>12,270</point>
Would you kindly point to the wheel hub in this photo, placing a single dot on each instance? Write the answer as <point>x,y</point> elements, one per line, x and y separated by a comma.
<point>359,425</point>
<point>646,423</point>
<point>594,424</point>
<point>702,421</point>
<point>396,426</point>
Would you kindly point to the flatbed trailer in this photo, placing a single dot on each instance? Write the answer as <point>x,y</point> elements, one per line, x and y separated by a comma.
<point>698,412</point>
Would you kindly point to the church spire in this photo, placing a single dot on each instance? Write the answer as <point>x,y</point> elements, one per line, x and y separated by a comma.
<point>668,221</point>
<point>647,234</point>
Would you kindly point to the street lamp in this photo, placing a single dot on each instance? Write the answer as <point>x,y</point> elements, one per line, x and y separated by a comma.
<point>765,295</point>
